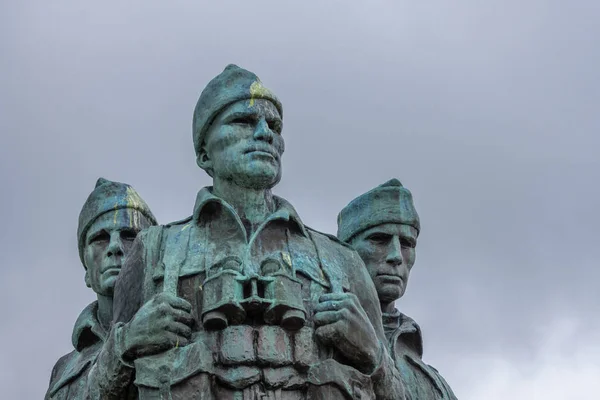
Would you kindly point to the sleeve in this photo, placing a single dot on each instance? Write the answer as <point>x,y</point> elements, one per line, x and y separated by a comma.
<point>111,377</point>
<point>386,380</point>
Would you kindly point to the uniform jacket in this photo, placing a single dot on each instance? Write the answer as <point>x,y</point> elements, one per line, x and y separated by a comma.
<point>179,257</point>
<point>69,375</point>
<point>421,381</point>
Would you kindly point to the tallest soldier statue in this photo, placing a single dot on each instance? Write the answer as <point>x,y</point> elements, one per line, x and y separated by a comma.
<point>241,300</point>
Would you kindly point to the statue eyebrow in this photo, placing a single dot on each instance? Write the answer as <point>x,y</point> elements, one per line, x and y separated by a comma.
<point>94,235</point>
<point>408,237</point>
<point>240,114</point>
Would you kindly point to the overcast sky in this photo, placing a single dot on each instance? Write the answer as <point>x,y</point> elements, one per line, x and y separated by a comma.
<point>486,110</point>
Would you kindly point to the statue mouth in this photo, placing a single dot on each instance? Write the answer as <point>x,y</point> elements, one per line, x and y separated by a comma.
<point>396,279</point>
<point>112,269</point>
<point>264,151</point>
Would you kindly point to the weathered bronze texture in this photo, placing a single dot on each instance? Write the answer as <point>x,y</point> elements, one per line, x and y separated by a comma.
<point>382,225</point>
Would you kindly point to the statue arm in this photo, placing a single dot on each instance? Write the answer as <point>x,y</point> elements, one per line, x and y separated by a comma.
<point>387,383</point>
<point>111,376</point>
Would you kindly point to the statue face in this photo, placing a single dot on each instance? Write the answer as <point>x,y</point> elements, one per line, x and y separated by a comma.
<point>107,243</point>
<point>244,145</point>
<point>388,251</point>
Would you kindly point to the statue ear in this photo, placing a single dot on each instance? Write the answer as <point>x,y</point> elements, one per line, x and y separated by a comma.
<point>87,278</point>
<point>204,161</point>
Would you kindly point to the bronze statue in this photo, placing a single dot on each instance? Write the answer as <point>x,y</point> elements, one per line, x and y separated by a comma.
<point>109,221</point>
<point>241,300</point>
<point>382,225</point>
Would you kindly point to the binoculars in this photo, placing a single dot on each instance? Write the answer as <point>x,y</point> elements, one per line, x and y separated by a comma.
<point>230,297</point>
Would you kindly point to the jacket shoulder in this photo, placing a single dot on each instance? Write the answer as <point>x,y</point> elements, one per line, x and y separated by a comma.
<point>62,364</point>
<point>179,222</point>
<point>152,236</point>
<point>342,261</point>
<point>327,237</point>
<point>70,366</point>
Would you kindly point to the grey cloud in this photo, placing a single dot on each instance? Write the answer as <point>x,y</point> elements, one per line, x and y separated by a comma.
<point>485,110</point>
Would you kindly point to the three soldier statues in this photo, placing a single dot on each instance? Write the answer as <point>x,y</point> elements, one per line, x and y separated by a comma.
<point>241,300</point>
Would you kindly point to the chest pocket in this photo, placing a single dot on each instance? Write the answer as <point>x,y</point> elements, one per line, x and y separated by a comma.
<point>309,267</point>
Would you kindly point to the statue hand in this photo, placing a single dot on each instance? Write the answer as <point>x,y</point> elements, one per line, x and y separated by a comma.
<point>343,323</point>
<point>159,325</point>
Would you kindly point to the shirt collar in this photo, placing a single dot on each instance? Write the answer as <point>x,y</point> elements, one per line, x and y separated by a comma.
<point>404,327</point>
<point>283,209</point>
<point>391,321</point>
<point>88,329</point>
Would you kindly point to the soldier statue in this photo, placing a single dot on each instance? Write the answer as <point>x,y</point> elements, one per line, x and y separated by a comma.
<point>382,225</point>
<point>241,300</point>
<point>109,221</point>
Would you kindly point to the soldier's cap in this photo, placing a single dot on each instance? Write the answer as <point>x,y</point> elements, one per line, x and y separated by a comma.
<point>231,85</point>
<point>108,196</point>
<point>387,203</point>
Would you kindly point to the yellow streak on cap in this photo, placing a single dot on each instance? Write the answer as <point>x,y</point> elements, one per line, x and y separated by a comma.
<point>257,90</point>
<point>133,203</point>
<point>116,212</point>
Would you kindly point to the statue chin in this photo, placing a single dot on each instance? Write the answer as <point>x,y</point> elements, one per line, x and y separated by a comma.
<point>390,295</point>
<point>257,180</point>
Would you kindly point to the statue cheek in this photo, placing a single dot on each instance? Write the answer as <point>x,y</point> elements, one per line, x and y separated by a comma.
<point>94,255</point>
<point>410,260</point>
<point>226,137</point>
<point>279,144</point>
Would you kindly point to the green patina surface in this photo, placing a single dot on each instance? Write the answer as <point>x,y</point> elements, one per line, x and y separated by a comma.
<point>382,225</point>
<point>241,300</point>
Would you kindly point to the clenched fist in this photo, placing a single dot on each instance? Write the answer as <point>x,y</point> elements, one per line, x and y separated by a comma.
<point>159,325</point>
<point>343,323</point>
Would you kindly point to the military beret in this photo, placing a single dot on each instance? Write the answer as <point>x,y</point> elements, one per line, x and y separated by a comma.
<point>108,196</point>
<point>387,203</point>
<point>231,85</point>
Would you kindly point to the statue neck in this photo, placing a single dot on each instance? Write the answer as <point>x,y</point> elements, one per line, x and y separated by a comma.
<point>105,311</point>
<point>253,205</point>
<point>388,307</point>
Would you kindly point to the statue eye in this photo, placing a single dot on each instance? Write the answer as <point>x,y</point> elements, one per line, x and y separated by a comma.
<point>128,234</point>
<point>243,120</point>
<point>275,126</point>
<point>404,242</point>
<point>99,237</point>
<point>379,238</point>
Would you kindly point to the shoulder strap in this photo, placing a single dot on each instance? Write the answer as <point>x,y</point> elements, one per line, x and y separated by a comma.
<point>329,264</point>
<point>153,242</point>
<point>173,258</point>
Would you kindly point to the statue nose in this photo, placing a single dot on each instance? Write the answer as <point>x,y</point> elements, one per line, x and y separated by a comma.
<point>115,247</point>
<point>263,132</point>
<point>394,256</point>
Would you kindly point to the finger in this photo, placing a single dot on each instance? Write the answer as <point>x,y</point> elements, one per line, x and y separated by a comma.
<point>328,306</point>
<point>152,349</point>
<point>328,334</point>
<point>181,316</point>
<point>331,305</point>
<point>174,340</point>
<point>327,317</point>
<point>179,329</point>
<point>178,302</point>
<point>336,296</point>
